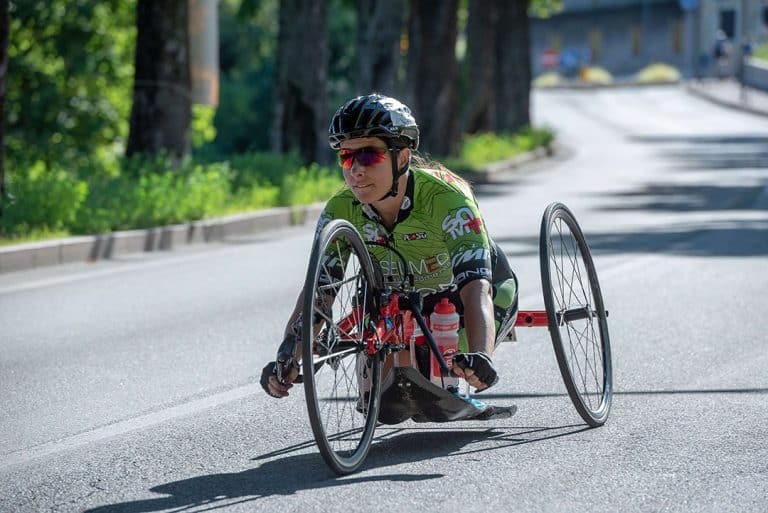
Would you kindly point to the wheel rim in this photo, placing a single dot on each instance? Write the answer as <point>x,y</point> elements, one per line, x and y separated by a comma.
<point>579,317</point>
<point>338,355</point>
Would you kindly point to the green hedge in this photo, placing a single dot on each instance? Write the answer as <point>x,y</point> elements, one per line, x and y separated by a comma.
<point>480,149</point>
<point>98,194</point>
<point>101,195</point>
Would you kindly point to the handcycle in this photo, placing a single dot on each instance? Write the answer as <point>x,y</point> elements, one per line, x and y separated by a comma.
<point>358,316</point>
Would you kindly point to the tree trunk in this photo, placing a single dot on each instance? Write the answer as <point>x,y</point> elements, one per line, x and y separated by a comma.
<point>4,28</point>
<point>379,25</point>
<point>161,112</point>
<point>301,117</point>
<point>482,27</point>
<point>514,67</point>
<point>432,73</point>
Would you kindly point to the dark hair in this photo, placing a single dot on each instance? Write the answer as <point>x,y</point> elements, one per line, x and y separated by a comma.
<point>438,169</point>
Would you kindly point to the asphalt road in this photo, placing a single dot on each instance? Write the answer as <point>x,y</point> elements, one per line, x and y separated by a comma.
<point>130,385</point>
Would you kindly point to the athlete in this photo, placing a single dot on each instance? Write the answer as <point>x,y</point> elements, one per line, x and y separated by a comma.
<point>429,215</point>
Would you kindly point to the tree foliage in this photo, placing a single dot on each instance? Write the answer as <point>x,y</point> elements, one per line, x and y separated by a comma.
<point>69,78</point>
<point>3,73</point>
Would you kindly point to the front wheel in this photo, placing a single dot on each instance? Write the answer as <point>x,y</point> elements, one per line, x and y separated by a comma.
<point>577,317</point>
<point>342,381</point>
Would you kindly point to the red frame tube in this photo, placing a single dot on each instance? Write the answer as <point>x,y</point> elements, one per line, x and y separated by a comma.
<point>532,319</point>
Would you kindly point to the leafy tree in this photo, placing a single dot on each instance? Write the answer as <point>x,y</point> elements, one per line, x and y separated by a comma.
<point>300,120</point>
<point>513,60</point>
<point>432,72</point>
<point>480,80</point>
<point>379,26</point>
<point>69,79</point>
<point>247,57</point>
<point>162,111</point>
<point>3,71</point>
<point>499,68</point>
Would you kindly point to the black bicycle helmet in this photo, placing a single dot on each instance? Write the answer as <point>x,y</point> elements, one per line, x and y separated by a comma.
<point>374,115</point>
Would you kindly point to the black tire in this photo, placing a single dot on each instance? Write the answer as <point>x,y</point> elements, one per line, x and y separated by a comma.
<point>340,274</point>
<point>578,324</point>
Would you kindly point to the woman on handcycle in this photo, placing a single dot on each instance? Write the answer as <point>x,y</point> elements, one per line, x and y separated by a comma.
<point>428,215</point>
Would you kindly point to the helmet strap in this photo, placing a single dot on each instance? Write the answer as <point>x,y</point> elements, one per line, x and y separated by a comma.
<point>396,173</point>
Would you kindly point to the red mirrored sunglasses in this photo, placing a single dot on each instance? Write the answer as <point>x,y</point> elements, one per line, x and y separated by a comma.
<point>368,156</point>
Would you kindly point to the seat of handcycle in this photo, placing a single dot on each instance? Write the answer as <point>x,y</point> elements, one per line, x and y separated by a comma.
<point>407,394</point>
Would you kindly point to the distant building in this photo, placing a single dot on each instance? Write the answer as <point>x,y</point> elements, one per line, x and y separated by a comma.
<point>623,36</point>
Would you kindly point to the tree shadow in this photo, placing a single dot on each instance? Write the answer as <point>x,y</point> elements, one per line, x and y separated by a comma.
<point>724,237</point>
<point>700,391</point>
<point>689,198</point>
<point>712,152</point>
<point>286,473</point>
<point>740,238</point>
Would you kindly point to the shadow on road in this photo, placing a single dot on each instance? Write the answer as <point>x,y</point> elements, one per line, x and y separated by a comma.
<point>290,473</point>
<point>703,391</point>
<point>724,237</point>
<point>736,227</point>
<point>714,152</point>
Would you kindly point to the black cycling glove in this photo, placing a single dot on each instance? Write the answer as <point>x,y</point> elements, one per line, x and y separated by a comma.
<point>269,370</point>
<point>480,363</point>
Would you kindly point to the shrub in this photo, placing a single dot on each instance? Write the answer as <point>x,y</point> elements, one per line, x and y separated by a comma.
<point>596,75</point>
<point>761,52</point>
<point>251,169</point>
<point>550,79</point>
<point>480,149</point>
<point>43,199</point>
<point>657,73</point>
<point>309,185</point>
<point>152,195</point>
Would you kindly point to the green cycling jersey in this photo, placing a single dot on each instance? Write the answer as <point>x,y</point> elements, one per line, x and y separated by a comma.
<point>439,231</point>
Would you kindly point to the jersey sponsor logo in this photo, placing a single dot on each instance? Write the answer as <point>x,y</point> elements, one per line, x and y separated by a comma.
<point>425,266</point>
<point>470,255</point>
<point>461,222</point>
<point>415,236</point>
<point>469,274</point>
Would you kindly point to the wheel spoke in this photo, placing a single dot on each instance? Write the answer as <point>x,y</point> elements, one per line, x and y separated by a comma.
<point>573,300</point>
<point>339,301</point>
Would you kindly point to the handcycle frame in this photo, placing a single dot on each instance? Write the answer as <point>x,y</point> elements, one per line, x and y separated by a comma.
<point>378,325</point>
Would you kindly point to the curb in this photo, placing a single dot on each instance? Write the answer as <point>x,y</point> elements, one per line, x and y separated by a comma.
<point>701,92</point>
<point>92,248</point>
<point>491,172</point>
<point>628,84</point>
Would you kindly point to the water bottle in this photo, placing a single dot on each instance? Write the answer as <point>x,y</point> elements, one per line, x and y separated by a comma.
<point>444,324</point>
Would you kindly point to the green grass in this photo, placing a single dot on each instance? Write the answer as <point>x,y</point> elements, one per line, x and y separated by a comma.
<point>478,150</point>
<point>761,52</point>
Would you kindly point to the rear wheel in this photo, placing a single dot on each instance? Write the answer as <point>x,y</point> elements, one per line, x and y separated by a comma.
<point>576,314</point>
<point>341,381</point>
